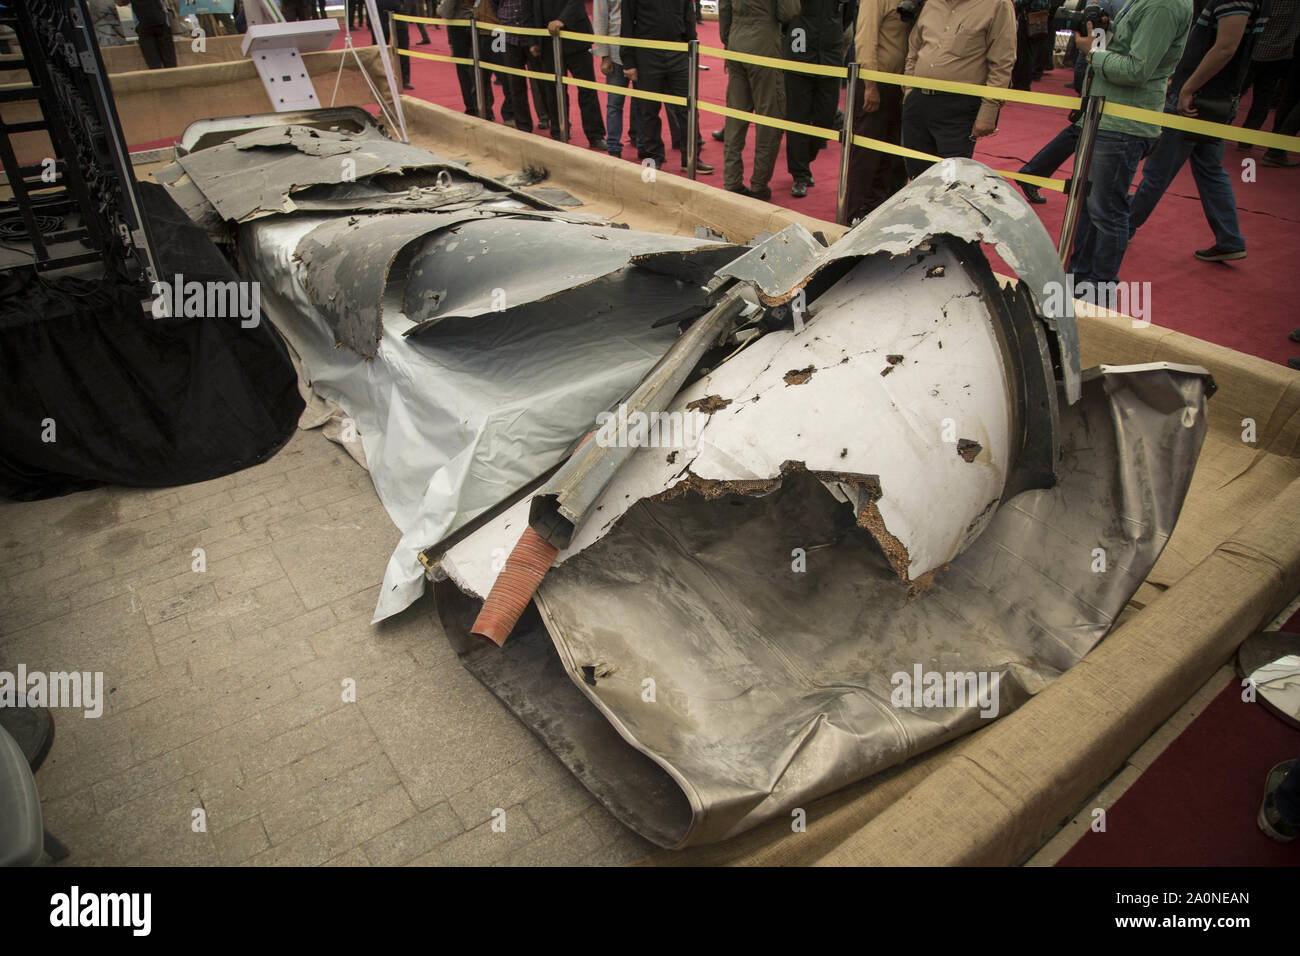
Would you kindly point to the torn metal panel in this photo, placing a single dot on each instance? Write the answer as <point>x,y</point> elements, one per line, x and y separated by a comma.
<point>879,408</point>
<point>774,686</point>
<point>956,197</point>
<point>496,265</point>
<point>254,174</point>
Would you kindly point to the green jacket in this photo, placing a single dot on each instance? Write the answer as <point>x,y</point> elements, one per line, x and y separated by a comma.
<point>1133,70</point>
<point>754,26</point>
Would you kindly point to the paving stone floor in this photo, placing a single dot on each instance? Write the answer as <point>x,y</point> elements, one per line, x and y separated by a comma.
<point>225,687</point>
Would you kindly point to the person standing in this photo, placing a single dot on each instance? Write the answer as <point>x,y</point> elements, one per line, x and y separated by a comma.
<point>753,26</point>
<point>1272,61</point>
<point>516,13</point>
<point>153,28</point>
<point>1133,70</point>
<point>608,21</point>
<point>1211,71</point>
<point>880,43</point>
<point>659,71</point>
<point>815,35</point>
<point>571,15</point>
<point>965,41</point>
<point>461,42</point>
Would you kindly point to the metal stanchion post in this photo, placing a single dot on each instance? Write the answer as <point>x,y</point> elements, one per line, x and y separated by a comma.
<point>561,95</point>
<point>692,99</point>
<point>846,144</point>
<point>1079,180</point>
<point>479,103</point>
<point>392,43</point>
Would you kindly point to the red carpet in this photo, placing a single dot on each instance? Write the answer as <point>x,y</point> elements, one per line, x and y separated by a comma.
<point>1196,804</point>
<point>1243,305</point>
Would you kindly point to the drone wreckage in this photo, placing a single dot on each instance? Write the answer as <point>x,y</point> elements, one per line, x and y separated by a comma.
<point>892,463</point>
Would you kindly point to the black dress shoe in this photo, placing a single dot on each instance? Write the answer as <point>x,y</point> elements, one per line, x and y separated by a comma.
<point>799,189</point>
<point>1032,194</point>
<point>701,168</point>
<point>763,192</point>
<point>407,86</point>
<point>1295,335</point>
<point>718,135</point>
<point>543,124</point>
<point>742,189</point>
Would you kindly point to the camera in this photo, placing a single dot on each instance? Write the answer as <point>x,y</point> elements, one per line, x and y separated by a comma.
<point>908,10</point>
<point>1076,19</point>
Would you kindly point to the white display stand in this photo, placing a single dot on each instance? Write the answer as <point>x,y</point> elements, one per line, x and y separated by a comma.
<point>276,50</point>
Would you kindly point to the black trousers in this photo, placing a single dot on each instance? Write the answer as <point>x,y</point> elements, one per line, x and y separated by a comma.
<point>156,46</point>
<point>811,100</point>
<point>577,63</point>
<point>403,42</point>
<point>356,13</point>
<point>939,124</point>
<point>517,88</point>
<point>875,176</point>
<point>462,44</point>
<point>1266,82</point>
<point>660,71</point>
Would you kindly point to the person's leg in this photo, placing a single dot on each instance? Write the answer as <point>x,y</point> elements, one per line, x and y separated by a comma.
<point>890,174</point>
<point>825,102</point>
<point>579,65</point>
<point>1115,159</point>
<point>768,88</point>
<point>614,104</point>
<point>676,84</point>
<point>517,87</point>
<point>1217,199</point>
<point>1158,172</point>
<point>739,97</point>
<point>458,39</point>
<point>651,78</point>
<point>167,50</point>
<point>549,96</point>
<point>916,131</point>
<point>951,119</point>
<point>1051,157</point>
<point>798,147</point>
<point>149,46</point>
<point>545,114</point>
<point>863,163</point>
<point>404,43</point>
<point>1263,85</point>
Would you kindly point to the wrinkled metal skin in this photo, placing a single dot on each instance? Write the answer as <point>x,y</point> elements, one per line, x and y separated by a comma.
<point>773,687</point>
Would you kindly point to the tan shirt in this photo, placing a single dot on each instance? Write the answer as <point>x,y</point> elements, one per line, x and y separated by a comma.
<point>965,41</point>
<point>880,42</point>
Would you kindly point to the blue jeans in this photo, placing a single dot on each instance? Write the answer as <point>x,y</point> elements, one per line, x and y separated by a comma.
<point>1212,182</point>
<point>1102,236</point>
<point>614,114</point>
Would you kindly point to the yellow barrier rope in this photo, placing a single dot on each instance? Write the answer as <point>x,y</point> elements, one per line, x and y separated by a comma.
<point>1164,120</point>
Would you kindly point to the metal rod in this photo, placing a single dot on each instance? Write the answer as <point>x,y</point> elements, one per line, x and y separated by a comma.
<point>1079,180</point>
<point>478,73</point>
<point>692,101</point>
<point>561,95</point>
<point>846,144</point>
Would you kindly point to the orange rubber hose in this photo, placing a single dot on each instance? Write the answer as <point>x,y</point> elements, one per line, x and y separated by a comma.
<point>515,586</point>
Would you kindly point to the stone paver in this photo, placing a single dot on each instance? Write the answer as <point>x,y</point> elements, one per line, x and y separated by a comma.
<point>229,619</point>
